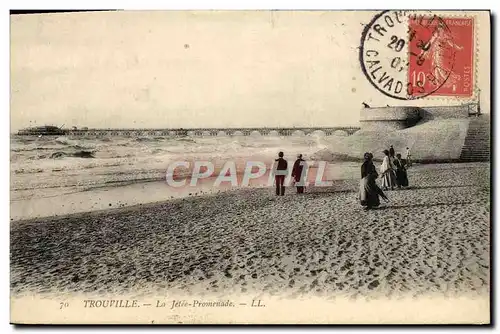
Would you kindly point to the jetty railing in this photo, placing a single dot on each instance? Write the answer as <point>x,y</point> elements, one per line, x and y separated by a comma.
<point>206,132</point>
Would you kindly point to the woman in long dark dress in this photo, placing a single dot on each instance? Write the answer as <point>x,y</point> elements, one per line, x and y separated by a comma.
<point>369,191</point>
<point>401,175</point>
<point>298,168</point>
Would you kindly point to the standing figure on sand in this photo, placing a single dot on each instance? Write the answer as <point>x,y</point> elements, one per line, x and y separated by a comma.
<point>387,171</point>
<point>391,152</point>
<point>401,175</point>
<point>369,191</point>
<point>299,179</point>
<point>408,157</point>
<point>280,174</point>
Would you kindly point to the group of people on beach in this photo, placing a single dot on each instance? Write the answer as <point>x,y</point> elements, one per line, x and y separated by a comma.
<point>282,171</point>
<point>393,170</point>
<point>393,174</point>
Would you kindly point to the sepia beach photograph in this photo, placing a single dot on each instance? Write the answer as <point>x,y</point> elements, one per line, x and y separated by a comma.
<point>250,167</point>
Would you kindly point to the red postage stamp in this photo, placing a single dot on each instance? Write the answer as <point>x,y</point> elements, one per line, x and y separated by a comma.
<point>410,55</point>
<point>441,56</point>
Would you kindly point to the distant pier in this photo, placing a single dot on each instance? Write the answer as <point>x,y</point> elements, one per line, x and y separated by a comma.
<point>207,132</point>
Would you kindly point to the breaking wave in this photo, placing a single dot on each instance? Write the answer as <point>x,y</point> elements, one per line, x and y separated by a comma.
<point>78,154</point>
<point>39,162</point>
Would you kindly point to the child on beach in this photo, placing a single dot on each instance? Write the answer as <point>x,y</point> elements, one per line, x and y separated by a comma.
<point>408,157</point>
<point>280,174</point>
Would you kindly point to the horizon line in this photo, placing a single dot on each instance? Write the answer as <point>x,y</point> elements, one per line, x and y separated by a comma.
<point>193,128</point>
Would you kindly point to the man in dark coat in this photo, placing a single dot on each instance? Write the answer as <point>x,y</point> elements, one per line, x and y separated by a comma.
<point>280,174</point>
<point>391,152</point>
<point>298,168</point>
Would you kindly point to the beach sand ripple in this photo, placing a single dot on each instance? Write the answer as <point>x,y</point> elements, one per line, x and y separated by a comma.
<point>433,238</point>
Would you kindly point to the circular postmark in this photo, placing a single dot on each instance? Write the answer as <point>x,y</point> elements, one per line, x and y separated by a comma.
<point>406,54</point>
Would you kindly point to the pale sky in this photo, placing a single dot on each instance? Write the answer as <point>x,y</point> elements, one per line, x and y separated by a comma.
<point>189,69</point>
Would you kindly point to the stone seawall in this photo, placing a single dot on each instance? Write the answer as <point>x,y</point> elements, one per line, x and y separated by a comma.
<point>390,118</point>
<point>435,133</point>
<point>398,118</point>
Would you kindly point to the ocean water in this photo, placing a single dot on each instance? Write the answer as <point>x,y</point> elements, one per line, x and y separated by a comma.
<point>69,164</point>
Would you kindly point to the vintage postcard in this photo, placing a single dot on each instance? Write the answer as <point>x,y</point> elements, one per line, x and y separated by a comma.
<point>250,167</point>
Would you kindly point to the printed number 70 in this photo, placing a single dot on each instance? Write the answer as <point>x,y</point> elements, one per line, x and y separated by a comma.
<point>63,305</point>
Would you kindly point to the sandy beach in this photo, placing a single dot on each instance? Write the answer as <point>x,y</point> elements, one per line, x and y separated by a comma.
<point>432,238</point>
<point>123,125</point>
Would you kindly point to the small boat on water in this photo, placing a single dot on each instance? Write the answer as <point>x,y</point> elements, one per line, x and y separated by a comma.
<point>44,130</point>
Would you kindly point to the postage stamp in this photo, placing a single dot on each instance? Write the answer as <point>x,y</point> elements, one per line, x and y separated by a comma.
<point>408,55</point>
